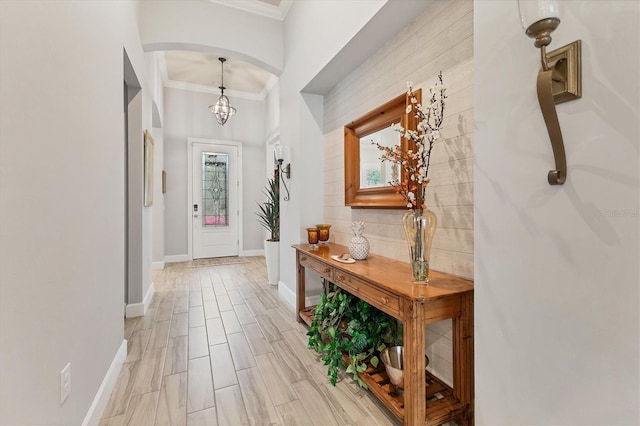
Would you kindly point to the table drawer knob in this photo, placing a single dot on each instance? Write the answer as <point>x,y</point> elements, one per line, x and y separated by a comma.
<point>302,259</point>
<point>384,300</point>
<point>341,278</point>
<point>327,270</point>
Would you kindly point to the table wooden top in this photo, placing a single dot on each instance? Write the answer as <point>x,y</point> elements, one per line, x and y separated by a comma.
<point>389,274</point>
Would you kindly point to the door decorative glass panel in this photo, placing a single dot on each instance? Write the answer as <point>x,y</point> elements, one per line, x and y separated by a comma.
<point>215,189</point>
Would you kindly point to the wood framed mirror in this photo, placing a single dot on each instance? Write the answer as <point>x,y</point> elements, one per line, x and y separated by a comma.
<point>366,177</point>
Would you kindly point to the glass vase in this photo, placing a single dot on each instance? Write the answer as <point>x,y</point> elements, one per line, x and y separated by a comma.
<point>419,226</point>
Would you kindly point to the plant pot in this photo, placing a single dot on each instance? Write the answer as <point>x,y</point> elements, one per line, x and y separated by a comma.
<point>393,360</point>
<point>272,256</point>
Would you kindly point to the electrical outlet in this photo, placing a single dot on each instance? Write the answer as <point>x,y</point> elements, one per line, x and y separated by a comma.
<point>65,382</point>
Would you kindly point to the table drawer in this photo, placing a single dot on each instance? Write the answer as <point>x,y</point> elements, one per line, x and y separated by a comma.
<point>323,269</point>
<point>379,298</point>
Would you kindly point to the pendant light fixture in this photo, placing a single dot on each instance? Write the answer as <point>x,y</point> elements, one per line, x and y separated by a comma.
<point>222,110</point>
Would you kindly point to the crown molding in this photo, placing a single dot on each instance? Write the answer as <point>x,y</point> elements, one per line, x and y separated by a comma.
<point>268,86</point>
<point>181,85</point>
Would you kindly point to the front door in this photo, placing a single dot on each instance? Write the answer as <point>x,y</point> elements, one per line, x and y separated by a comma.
<point>215,200</point>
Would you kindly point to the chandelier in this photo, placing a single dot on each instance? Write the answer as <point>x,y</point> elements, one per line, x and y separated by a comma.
<point>222,110</point>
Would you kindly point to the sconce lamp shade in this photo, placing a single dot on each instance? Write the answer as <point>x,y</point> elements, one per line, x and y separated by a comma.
<point>532,11</point>
<point>278,149</point>
<point>278,153</point>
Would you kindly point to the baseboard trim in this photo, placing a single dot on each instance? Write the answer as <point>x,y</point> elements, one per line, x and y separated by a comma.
<point>177,258</point>
<point>157,266</point>
<point>139,309</point>
<point>106,387</point>
<point>252,252</point>
<point>289,296</point>
<point>286,294</point>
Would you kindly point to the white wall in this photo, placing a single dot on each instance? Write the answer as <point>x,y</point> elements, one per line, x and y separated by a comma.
<point>61,201</point>
<point>440,39</point>
<point>187,115</point>
<point>301,119</point>
<point>556,267</point>
<point>158,200</point>
<point>212,27</point>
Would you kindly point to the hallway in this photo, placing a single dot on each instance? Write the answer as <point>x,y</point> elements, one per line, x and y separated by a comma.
<point>218,347</point>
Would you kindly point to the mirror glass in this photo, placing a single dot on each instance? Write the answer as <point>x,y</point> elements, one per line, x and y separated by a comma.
<point>373,172</point>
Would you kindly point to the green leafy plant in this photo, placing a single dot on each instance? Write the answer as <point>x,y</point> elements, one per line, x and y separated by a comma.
<point>269,213</point>
<point>344,324</point>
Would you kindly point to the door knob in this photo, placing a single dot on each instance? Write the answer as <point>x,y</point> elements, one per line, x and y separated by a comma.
<point>195,215</point>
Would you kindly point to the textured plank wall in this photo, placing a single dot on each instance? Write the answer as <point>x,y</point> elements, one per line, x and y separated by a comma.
<point>440,39</point>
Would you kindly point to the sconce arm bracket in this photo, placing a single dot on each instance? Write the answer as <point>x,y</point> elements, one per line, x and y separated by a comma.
<point>287,172</point>
<point>560,83</point>
<point>548,108</point>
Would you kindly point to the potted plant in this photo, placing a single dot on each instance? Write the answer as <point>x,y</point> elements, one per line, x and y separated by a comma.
<point>269,218</point>
<point>348,332</point>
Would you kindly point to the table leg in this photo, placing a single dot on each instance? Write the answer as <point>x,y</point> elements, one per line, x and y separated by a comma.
<point>300,291</point>
<point>463,373</point>
<point>414,374</point>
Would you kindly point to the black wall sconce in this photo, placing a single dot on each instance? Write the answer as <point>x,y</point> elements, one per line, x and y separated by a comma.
<point>559,79</point>
<point>278,151</point>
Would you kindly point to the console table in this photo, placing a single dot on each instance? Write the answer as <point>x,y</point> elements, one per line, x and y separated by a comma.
<point>386,284</point>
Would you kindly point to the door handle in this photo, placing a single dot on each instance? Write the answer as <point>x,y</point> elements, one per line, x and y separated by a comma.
<point>195,215</point>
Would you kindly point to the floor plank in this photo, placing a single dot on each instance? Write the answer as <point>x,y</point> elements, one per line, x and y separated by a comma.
<point>233,412</point>
<point>198,345</point>
<point>196,316</point>
<point>208,294</point>
<point>235,297</point>
<point>172,404</point>
<point>137,344</point>
<point>230,321</point>
<point>257,342</point>
<point>269,329</point>
<point>176,357</point>
<point>142,409</point>
<point>165,311</point>
<point>202,418</point>
<point>195,296</point>
<point>211,309</point>
<point>215,331</point>
<point>282,323</point>
<point>258,403</point>
<point>149,375</point>
<point>314,403</point>
<point>289,363</point>
<point>224,372</point>
<point>200,386</point>
<point>181,305</point>
<point>119,399</point>
<point>244,314</point>
<point>148,319</point>
<point>294,414</point>
<point>279,388</point>
<point>224,303</point>
<point>159,334</point>
<point>179,325</point>
<point>240,351</point>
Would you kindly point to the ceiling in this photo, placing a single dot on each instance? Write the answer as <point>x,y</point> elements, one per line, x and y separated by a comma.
<point>201,71</point>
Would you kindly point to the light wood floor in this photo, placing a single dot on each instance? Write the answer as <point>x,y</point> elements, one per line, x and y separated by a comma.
<point>217,347</point>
